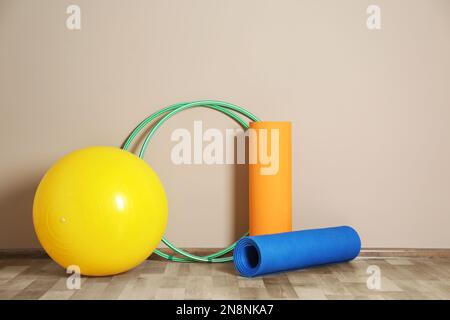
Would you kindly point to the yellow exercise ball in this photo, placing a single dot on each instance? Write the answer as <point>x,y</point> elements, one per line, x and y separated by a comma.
<point>102,209</point>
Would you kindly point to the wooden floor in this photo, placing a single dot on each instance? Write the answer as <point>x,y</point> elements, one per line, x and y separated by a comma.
<point>401,278</point>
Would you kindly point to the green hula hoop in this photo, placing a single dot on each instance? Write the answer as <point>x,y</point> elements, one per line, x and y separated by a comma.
<point>166,113</point>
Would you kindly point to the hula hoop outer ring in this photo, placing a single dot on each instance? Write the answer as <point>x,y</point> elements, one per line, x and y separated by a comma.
<point>166,113</point>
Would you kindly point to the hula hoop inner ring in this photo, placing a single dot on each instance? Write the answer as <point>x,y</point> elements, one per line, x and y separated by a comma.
<point>168,112</point>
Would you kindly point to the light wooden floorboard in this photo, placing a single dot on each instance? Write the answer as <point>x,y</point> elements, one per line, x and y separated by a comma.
<point>401,278</point>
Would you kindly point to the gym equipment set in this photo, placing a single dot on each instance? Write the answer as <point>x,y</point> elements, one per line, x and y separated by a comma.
<point>104,209</point>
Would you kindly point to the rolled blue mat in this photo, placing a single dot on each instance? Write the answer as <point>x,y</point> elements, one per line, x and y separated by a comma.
<point>259,255</point>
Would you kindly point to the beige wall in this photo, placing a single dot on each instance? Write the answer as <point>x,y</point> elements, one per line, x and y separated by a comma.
<point>370,109</point>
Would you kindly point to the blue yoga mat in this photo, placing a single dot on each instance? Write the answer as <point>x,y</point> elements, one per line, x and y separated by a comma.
<point>259,255</point>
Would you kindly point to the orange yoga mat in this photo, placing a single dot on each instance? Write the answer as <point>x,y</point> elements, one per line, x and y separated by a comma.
<point>270,177</point>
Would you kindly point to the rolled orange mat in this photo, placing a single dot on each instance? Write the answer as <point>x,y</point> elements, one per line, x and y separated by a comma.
<point>270,177</point>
